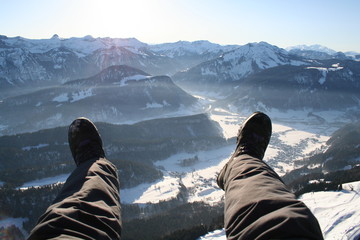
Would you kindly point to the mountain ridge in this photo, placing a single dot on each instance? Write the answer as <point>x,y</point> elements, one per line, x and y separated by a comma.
<point>117,94</point>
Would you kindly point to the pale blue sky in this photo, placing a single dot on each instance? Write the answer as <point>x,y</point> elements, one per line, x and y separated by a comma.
<point>335,24</point>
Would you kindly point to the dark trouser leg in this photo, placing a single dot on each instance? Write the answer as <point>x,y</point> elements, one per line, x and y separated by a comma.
<point>258,205</point>
<point>88,206</point>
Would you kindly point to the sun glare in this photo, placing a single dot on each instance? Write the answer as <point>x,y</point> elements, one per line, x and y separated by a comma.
<point>120,18</point>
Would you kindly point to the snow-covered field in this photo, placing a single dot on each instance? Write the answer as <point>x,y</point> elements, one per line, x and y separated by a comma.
<point>337,212</point>
<point>294,135</point>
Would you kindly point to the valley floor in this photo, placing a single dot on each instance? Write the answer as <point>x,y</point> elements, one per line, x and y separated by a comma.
<point>296,134</point>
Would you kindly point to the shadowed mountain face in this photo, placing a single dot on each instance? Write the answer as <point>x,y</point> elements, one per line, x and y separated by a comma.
<point>117,94</point>
<point>46,153</point>
<point>327,85</point>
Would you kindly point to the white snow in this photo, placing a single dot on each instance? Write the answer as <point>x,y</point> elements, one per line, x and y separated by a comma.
<point>61,98</point>
<point>239,62</point>
<point>337,212</point>
<point>215,235</point>
<point>164,189</point>
<point>182,48</point>
<point>290,128</point>
<point>293,137</point>
<point>153,105</point>
<point>324,71</point>
<point>41,145</point>
<point>124,81</point>
<point>229,122</point>
<point>198,178</point>
<point>76,96</point>
<point>315,47</point>
<point>82,46</point>
<point>45,181</point>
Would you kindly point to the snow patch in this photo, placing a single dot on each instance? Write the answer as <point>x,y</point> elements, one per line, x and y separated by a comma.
<point>61,98</point>
<point>156,105</point>
<point>41,145</point>
<point>228,121</point>
<point>124,81</point>
<point>164,189</point>
<point>293,137</point>
<point>200,177</point>
<point>324,71</point>
<point>76,96</point>
<point>45,181</point>
<point>215,235</point>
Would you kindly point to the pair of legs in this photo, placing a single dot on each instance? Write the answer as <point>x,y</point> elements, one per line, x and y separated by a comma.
<point>88,205</point>
<point>257,203</point>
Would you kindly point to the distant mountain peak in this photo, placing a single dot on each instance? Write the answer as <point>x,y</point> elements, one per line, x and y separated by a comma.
<point>89,38</point>
<point>55,36</point>
<point>314,47</point>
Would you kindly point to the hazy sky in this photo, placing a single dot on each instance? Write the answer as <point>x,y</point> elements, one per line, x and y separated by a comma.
<point>335,24</point>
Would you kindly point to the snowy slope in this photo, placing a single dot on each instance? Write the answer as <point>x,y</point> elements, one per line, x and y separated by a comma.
<point>233,66</point>
<point>215,235</point>
<point>185,48</point>
<point>292,140</point>
<point>315,47</point>
<point>295,135</point>
<point>337,212</point>
<point>82,46</point>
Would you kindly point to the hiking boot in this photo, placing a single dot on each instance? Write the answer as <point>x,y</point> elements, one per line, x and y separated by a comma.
<point>253,139</point>
<point>254,135</point>
<point>84,141</point>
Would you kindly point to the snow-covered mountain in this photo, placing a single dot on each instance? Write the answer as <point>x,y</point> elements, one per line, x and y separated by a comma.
<point>315,47</point>
<point>117,94</point>
<point>235,65</point>
<point>318,52</point>
<point>175,160</point>
<point>82,46</point>
<point>186,49</point>
<point>28,62</point>
<point>325,85</point>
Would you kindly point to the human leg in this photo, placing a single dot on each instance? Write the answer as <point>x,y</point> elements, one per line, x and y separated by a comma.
<point>257,202</point>
<point>88,206</point>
